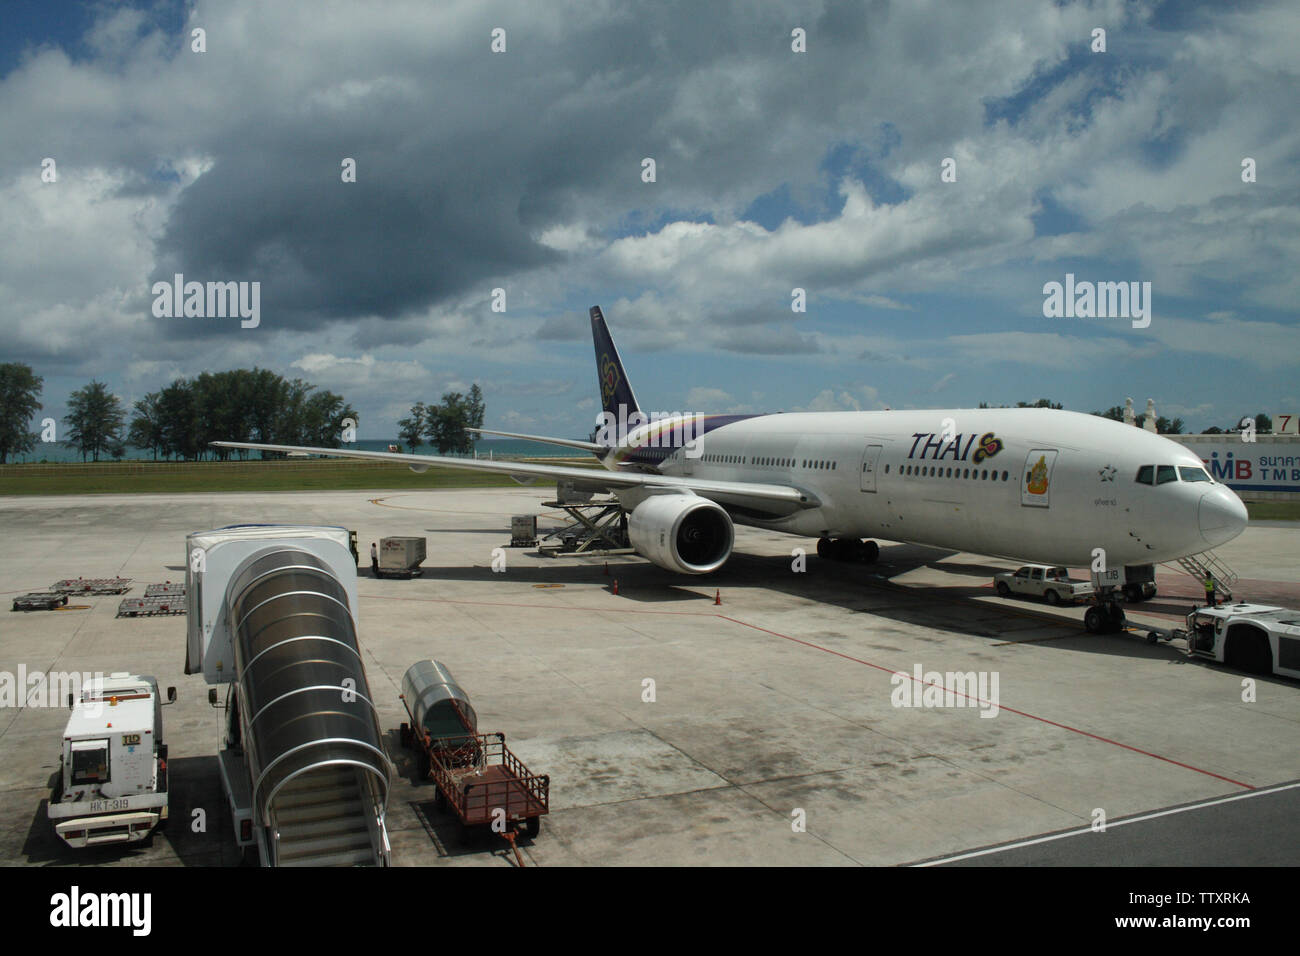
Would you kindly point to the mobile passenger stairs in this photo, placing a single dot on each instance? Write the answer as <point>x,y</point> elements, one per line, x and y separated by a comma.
<point>272,617</point>
<point>1198,565</point>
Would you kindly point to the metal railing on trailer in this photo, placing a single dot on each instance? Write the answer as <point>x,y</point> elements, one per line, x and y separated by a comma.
<point>484,783</point>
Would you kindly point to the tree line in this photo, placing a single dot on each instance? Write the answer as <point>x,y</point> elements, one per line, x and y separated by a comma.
<point>444,425</point>
<point>180,420</point>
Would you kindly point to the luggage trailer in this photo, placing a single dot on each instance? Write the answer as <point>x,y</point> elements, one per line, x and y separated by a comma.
<point>477,777</point>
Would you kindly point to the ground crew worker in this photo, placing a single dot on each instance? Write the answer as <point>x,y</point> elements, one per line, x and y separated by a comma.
<point>374,559</point>
<point>1209,590</point>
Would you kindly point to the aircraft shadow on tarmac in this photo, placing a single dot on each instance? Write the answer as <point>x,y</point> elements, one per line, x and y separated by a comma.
<point>862,588</point>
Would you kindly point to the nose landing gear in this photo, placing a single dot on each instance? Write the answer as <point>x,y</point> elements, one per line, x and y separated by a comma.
<point>1106,616</point>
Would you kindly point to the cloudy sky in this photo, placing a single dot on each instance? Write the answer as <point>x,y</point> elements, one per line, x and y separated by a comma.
<point>774,170</point>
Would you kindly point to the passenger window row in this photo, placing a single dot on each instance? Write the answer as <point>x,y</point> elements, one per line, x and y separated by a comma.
<point>934,471</point>
<point>811,464</point>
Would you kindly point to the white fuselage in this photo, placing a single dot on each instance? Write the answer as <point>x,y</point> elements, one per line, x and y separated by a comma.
<point>1024,483</point>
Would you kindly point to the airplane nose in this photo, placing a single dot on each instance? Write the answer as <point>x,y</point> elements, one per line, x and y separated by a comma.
<point>1222,516</point>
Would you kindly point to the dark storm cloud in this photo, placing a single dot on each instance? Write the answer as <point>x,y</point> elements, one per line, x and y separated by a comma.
<point>463,158</point>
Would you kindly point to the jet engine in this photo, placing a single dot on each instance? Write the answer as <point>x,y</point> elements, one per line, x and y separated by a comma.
<point>682,533</point>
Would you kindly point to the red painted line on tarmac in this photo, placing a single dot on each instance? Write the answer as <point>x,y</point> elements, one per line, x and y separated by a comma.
<point>1021,713</point>
<point>827,650</point>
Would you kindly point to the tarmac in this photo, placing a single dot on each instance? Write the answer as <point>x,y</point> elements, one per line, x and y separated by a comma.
<point>776,734</point>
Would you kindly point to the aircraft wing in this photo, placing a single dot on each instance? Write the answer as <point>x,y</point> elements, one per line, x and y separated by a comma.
<point>566,442</point>
<point>734,492</point>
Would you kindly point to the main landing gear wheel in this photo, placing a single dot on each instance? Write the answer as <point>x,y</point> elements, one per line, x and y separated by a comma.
<point>1104,620</point>
<point>847,549</point>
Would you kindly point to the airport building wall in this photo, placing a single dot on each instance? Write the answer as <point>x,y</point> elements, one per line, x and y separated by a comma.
<point>1266,469</point>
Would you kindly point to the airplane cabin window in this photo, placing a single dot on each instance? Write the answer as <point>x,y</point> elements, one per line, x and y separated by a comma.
<point>1146,474</point>
<point>1193,474</point>
<point>1165,474</point>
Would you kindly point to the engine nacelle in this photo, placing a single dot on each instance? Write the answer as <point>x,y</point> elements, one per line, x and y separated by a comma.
<point>682,533</point>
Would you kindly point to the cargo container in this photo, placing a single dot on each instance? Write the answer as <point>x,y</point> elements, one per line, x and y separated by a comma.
<point>523,531</point>
<point>401,555</point>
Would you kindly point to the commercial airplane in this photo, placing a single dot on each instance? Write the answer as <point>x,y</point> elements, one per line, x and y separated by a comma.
<point>1029,484</point>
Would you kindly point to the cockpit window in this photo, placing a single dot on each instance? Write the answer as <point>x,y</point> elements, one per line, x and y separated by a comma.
<point>1146,474</point>
<point>1165,473</point>
<point>1193,473</point>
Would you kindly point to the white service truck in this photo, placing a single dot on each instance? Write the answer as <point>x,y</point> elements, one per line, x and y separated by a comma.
<point>112,785</point>
<point>1254,637</point>
<point>1041,580</point>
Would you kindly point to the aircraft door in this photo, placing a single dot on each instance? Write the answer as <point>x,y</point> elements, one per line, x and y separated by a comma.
<point>870,459</point>
<point>1036,481</point>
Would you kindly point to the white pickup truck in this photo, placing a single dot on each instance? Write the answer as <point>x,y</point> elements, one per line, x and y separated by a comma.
<point>1040,580</point>
<point>1254,637</point>
<point>112,785</point>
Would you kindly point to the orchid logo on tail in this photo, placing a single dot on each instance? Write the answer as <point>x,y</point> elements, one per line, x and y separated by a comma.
<point>608,378</point>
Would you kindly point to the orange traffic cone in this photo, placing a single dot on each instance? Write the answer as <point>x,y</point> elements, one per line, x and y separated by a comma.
<point>614,589</point>
<point>717,597</point>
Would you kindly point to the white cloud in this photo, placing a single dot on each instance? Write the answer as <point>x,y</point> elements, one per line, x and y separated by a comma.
<point>526,176</point>
<point>703,398</point>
